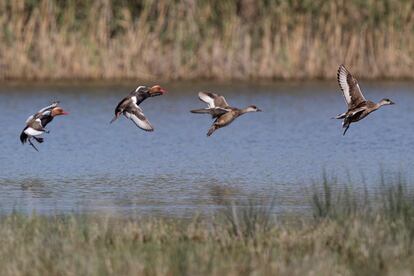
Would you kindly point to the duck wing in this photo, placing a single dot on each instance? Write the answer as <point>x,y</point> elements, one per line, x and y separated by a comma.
<point>123,104</point>
<point>140,89</point>
<point>28,120</point>
<point>350,88</point>
<point>42,112</point>
<point>355,111</point>
<point>34,128</point>
<point>49,107</point>
<point>213,100</point>
<point>134,112</point>
<point>214,112</point>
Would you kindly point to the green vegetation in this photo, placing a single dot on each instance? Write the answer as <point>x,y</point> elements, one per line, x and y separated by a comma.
<point>188,39</point>
<point>350,233</point>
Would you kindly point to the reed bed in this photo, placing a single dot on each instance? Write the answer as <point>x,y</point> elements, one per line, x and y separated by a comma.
<point>350,233</point>
<point>209,39</point>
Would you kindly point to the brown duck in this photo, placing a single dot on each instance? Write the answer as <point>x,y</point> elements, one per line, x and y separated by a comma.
<point>220,110</point>
<point>358,106</point>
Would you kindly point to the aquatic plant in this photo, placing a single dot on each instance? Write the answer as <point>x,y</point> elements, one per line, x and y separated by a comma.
<point>344,236</point>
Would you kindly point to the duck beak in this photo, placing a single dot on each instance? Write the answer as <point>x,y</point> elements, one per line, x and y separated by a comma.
<point>65,113</point>
<point>391,102</point>
<point>259,110</point>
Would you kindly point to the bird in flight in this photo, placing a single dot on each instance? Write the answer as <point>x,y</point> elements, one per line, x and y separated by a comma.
<point>36,123</point>
<point>358,106</point>
<point>220,110</point>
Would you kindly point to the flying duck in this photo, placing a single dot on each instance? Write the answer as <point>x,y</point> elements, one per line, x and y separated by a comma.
<point>219,109</point>
<point>36,123</point>
<point>129,106</point>
<point>358,107</point>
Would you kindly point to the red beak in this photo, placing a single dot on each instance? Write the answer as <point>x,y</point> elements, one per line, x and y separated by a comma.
<point>65,113</point>
<point>163,90</point>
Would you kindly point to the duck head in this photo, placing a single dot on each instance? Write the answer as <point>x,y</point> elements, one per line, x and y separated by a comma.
<point>386,102</point>
<point>252,108</point>
<point>58,111</point>
<point>157,90</point>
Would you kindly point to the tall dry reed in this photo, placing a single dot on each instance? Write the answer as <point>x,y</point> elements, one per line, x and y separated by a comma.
<point>189,39</point>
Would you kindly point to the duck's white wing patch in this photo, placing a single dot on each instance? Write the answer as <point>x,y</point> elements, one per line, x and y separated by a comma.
<point>33,132</point>
<point>140,122</point>
<point>208,98</point>
<point>137,116</point>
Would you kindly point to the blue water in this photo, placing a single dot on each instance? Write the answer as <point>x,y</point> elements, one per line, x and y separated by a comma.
<point>86,164</point>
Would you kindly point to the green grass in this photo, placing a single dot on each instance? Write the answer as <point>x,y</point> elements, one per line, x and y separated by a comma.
<point>350,233</point>
<point>210,39</point>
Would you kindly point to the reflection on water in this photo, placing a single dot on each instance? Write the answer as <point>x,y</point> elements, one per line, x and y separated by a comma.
<point>88,165</point>
<point>160,194</point>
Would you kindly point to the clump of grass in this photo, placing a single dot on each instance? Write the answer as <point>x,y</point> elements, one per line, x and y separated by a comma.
<point>392,199</point>
<point>249,219</point>
<point>334,201</point>
<point>186,39</point>
<point>247,216</point>
<point>383,213</point>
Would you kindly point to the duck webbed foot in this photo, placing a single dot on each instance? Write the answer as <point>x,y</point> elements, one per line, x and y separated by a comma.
<point>39,139</point>
<point>346,128</point>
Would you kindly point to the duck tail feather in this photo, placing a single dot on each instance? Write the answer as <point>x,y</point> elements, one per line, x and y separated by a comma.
<point>201,111</point>
<point>23,137</point>
<point>340,116</point>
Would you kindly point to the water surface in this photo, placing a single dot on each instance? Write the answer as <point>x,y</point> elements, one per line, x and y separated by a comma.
<point>86,164</point>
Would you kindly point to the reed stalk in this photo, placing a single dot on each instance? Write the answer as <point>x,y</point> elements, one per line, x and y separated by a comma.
<point>209,39</point>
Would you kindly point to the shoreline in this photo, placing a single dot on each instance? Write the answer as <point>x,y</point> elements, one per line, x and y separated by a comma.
<point>133,82</point>
<point>349,234</point>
